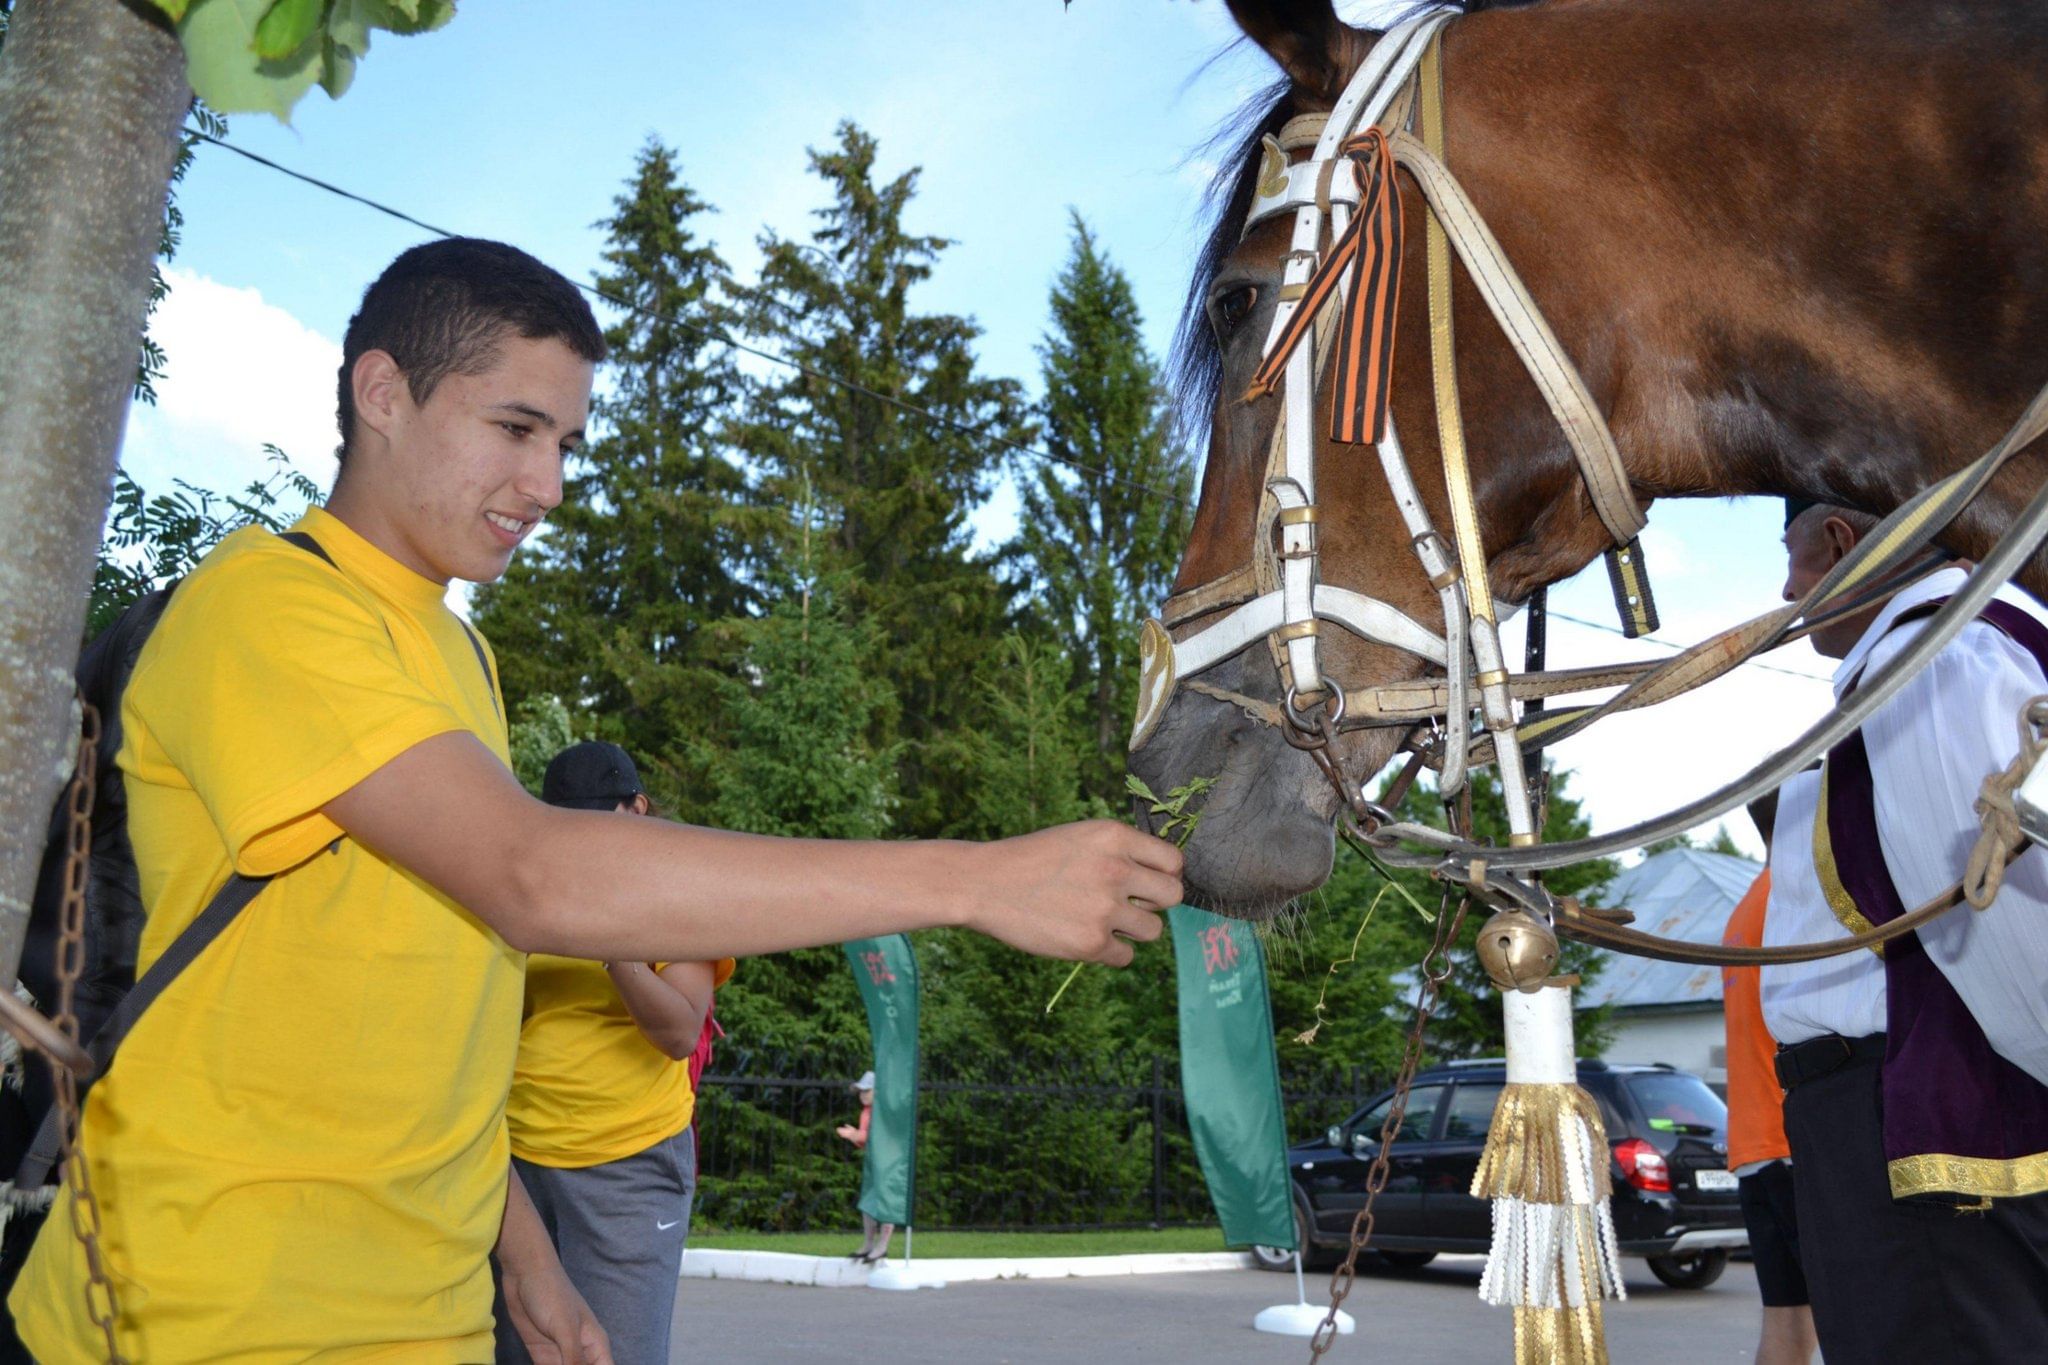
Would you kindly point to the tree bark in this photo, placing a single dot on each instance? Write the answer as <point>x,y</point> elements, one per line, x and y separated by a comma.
<point>92,94</point>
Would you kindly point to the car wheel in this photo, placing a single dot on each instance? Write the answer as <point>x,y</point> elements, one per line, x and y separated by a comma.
<point>1279,1258</point>
<point>1407,1260</point>
<point>1696,1271</point>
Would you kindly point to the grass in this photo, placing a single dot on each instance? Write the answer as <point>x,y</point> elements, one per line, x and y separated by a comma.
<point>959,1244</point>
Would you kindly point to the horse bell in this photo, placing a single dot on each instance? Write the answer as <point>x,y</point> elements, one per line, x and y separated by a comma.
<point>1518,951</point>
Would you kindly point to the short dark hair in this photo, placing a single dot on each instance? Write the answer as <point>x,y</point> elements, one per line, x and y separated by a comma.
<point>442,307</point>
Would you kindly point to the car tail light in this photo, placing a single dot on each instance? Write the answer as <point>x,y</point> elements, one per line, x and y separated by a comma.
<point>1643,1166</point>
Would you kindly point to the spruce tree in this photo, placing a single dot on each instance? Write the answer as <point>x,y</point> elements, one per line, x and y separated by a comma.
<point>793,754</point>
<point>616,605</point>
<point>1100,537</point>
<point>898,485</point>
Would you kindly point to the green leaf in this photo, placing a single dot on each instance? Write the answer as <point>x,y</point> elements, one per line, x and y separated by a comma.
<point>419,16</point>
<point>262,56</point>
<point>1135,785</point>
<point>287,27</point>
<point>219,37</point>
<point>338,69</point>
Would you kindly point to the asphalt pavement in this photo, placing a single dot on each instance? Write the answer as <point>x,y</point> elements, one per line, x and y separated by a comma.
<point>1433,1315</point>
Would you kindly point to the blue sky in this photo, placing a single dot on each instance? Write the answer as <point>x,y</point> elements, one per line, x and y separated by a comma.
<point>521,121</point>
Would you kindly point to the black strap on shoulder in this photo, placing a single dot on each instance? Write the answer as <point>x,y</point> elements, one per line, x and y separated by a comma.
<point>311,546</point>
<point>476,642</point>
<point>219,913</point>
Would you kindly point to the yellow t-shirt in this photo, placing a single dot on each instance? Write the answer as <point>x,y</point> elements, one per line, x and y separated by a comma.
<point>588,1086</point>
<point>300,1152</point>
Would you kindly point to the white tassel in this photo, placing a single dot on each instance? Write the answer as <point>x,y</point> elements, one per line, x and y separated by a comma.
<point>1554,1257</point>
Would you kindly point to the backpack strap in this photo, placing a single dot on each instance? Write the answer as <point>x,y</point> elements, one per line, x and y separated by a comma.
<point>234,895</point>
<point>220,912</point>
<point>311,546</point>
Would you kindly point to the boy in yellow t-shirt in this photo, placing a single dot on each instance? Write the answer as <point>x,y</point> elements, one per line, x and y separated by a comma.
<point>602,1102</point>
<point>300,1152</point>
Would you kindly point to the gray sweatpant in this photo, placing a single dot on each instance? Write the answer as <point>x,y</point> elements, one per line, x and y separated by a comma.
<point>619,1228</point>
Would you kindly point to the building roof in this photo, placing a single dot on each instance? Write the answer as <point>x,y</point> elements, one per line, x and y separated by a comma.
<point>1684,893</point>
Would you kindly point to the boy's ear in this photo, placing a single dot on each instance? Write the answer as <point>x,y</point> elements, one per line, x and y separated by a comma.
<point>379,388</point>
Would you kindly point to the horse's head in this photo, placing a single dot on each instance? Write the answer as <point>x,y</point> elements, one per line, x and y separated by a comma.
<point>1266,834</point>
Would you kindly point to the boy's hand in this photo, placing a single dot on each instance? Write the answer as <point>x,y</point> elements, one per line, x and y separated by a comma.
<point>1084,891</point>
<point>554,1323</point>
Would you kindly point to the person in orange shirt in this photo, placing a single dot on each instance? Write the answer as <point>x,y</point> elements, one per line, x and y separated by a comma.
<point>1758,1153</point>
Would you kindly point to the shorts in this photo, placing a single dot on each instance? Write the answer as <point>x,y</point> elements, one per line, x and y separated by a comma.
<point>1773,1220</point>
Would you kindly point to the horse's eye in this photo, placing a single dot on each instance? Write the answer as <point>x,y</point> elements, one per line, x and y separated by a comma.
<point>1228,310</point>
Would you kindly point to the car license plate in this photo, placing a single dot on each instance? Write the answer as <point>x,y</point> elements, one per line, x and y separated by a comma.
<point>1714,1180</point>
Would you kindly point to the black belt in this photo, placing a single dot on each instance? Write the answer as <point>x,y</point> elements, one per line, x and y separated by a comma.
<point>1817,1057</point>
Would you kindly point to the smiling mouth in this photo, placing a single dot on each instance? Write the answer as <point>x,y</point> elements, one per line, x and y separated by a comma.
<point>511,526</point>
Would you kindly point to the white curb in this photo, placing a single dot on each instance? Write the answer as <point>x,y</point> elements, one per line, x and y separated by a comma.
<point>833,1272</point>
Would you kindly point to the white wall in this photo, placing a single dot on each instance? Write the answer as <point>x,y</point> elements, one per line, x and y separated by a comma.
<point>1694,1041</point>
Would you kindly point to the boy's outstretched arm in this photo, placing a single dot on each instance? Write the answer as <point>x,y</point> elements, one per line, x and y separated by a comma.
<point>588,884</point>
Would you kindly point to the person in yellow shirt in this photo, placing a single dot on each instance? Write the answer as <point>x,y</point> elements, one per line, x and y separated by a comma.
<point>601,1107</point>
<point>300,1152</point>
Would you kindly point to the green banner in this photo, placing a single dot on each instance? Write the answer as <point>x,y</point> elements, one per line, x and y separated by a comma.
<point>1231,1076</point>
<point>886,970</point>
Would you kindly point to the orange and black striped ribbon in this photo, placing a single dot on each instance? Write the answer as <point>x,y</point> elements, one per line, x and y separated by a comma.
<point>1364,367</point>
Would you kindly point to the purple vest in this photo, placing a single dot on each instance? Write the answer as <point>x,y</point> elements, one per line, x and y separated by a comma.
<point>1959,1120</point>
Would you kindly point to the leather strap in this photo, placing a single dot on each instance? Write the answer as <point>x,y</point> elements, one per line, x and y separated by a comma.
<point>1556,378</point>
<point>1588,926</point>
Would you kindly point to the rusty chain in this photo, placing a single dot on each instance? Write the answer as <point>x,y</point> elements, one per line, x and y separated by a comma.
<point>1435,969</point>
<point>82,1203</point>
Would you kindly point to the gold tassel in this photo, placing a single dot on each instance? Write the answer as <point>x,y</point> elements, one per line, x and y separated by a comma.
<point>1545,1167</point>
<point>1526,1154</point>
<point>1560,1336</point>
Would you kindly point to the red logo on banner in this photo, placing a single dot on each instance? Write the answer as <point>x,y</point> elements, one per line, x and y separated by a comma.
<point>878,969</point>
<point>1219,949</point>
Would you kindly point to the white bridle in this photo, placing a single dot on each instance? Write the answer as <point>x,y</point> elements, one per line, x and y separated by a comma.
<point>1279,597</point>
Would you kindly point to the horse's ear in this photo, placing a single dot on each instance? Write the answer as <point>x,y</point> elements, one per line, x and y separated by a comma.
<point>1313,46</point>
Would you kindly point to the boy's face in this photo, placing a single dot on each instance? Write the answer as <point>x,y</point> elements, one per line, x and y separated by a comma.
<point>468,475</point>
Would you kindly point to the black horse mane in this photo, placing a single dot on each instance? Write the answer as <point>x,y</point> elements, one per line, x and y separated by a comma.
<point>1197,366</point>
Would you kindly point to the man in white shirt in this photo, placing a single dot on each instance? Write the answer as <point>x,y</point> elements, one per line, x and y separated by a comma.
<point>1916,1080</point>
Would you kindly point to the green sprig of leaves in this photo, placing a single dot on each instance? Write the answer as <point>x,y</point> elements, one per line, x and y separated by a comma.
<point>1179,825</point>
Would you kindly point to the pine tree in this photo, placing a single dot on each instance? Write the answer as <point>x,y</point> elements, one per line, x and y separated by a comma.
<point>615,607</point>
<point>794,755</point>
<point>1100,537</point>
<point>1024,753</point>
<point>899,485</point>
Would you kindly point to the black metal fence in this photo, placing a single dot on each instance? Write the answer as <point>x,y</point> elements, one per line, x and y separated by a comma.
<point>1097,1144</point>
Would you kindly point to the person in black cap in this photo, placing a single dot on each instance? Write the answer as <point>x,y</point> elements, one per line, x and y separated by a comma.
<point>593,775</point>
<point>603,1099</point>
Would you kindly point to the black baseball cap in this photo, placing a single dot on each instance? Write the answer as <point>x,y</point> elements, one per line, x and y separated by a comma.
<point>592,775</point>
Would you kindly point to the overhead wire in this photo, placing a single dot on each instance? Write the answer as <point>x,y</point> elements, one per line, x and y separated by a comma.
<point>1557,615</point>
<point>714,335</point>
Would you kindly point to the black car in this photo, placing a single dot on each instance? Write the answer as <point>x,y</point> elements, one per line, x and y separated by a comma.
<point>1674,1200</point>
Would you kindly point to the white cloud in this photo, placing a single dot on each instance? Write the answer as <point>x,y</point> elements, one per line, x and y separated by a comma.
<point>239,372</point>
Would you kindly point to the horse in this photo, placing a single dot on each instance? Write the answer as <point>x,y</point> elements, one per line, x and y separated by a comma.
<point>1791,249</point>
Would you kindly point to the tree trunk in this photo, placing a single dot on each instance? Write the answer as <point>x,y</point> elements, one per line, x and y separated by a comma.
<point>92,94</point>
